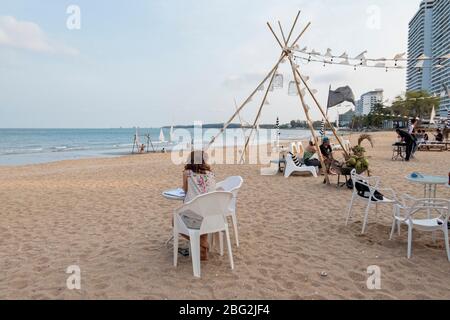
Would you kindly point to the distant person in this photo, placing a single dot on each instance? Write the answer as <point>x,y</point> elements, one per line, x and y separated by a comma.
<point>419,136</point>
<point>439,136</point>
<point>412,126</point>
<point>425,136</point>
<point>142,148</point>
<point>408,140</point>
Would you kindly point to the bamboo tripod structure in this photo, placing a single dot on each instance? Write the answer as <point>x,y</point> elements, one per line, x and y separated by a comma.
<point>299,80</point>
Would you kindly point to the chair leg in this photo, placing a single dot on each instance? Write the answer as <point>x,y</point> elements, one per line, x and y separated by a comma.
<point>398,227</point>
<point>195,253</point>
<point>211,241</point>
<point>394,222</point>
<point>220,235</point>
<point>233,217</point>
<point>366,217</point>
<point>409,241</point>
<point>230,253</point>
<point>350,209</point>
<point>447,245</point>
<point>175,245</point>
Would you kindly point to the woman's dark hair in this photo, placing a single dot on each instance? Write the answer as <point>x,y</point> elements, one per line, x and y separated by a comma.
<point>197,162</point>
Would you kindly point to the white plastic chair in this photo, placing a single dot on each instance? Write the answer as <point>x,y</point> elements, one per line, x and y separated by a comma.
<point>406,214</point>
<point>209,211</point>
<point>337,146</point>
<point>294,149</point>
<point>373,184</point>
<point>291,167</point>
<point>233,185</point>
<point>300,149</point>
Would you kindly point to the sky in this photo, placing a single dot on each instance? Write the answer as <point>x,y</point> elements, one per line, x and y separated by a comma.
<point>151,63</point>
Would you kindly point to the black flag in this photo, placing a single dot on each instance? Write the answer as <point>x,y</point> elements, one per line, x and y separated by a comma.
<point>340,95</point>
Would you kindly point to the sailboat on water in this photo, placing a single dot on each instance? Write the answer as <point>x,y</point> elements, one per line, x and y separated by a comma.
<point>162,138</point>
<point>171,136</point>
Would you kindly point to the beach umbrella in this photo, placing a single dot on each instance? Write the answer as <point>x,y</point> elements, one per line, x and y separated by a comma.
<point>322,128</point>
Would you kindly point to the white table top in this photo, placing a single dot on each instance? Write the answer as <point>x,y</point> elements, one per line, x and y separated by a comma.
<point>175,194</point>
<point>427,179</point>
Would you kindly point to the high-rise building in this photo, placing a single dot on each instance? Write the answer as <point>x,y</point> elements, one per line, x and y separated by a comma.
<point>429,34</point>
<point>345,120</point>
<point>367,101</point>
<point>419,42</point>
<point>440,74</point>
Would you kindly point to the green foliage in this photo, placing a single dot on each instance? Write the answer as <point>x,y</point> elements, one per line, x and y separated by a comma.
<point>415,104</point>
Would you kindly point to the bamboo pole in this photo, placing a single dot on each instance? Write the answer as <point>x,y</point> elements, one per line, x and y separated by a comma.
<point>307,87</point>
<point>293,27</point>
<point>276,38</point>
<point>303,104</point>
<point>310,124</point>
<point>240,119</point>
<point>245,102</point>
<point>323,112</point>
<point>282,33</point>
<point>259,111</point>
<point>301,34</point>
<point>134,143</point>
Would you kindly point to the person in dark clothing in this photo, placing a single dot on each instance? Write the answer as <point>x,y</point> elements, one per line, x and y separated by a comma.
<point>327,153</point>
<point>408,140</point>
<point>439,136</point>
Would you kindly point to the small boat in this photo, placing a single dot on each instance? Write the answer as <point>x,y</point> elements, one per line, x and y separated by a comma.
<point>161,136</point>
<point>171,136</point>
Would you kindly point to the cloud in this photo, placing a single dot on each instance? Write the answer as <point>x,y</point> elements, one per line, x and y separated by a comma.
<point>29,36</point>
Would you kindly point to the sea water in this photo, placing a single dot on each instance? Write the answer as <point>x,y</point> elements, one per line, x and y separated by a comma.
<point>30,146</point>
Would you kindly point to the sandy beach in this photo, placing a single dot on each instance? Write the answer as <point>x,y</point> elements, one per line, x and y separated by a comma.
<point>108,217</point>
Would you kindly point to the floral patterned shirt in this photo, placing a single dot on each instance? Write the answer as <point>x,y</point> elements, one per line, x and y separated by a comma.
<point>199,183</point>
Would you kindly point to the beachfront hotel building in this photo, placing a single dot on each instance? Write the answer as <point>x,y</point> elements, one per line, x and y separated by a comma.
<point>367,101</point>
<point>429,34</point>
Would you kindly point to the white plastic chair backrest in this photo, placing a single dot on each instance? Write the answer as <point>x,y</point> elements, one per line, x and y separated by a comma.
<point>300,148</point>
<point>212,207</point>
<point>231,184</point>
<point>370,182</point>
<point>294,148</point>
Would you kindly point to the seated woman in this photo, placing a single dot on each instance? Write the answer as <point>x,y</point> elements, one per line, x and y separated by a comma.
<point>327,153</point>
<point>310,157</point>
<point>198,179</point>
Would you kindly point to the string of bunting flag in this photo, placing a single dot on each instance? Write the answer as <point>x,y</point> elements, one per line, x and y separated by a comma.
<point>397,62</point>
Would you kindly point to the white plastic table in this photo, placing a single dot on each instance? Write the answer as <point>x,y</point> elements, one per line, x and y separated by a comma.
<point>430,184</point>
<point>174,194</point>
